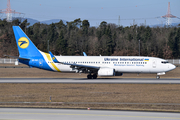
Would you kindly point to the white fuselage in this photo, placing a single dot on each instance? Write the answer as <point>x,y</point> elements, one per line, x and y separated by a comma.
<point>123,64</point>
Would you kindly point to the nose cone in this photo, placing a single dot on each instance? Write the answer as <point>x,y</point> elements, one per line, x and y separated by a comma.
<point>172,67</point>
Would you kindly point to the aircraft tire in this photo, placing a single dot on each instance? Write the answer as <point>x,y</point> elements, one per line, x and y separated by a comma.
<point>94,76</point>
<point>157,77</point>
<point>89,76</point>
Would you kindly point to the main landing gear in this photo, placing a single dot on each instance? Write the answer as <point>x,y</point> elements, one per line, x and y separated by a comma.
<point>89,76</point>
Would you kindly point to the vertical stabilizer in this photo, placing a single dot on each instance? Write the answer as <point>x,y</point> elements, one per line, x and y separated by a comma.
<point>25,46</point>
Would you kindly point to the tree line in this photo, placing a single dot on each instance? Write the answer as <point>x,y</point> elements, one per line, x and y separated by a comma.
<point>76,37</point>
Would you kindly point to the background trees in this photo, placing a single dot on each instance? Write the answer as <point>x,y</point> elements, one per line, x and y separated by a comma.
<point>75,37</point>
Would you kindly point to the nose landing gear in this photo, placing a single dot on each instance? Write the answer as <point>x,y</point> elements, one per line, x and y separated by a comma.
<point>157,77</point>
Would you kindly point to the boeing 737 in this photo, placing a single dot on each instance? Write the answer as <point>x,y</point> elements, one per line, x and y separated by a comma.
<point>92,65</point>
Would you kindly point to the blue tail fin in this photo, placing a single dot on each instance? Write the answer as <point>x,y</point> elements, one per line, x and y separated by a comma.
<point>25,46</point>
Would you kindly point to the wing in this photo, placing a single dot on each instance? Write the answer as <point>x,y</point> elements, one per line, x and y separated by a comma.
<point>79,67</point>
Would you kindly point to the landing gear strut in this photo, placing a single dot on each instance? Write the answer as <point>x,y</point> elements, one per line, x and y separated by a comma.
<point>94,76</point>
<point>157,77</point>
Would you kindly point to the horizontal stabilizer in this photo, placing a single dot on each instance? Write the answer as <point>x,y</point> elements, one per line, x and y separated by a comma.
<point>16,57</point>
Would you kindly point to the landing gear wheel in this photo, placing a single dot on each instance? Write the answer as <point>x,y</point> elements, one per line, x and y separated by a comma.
<point>89,76</point>
<point>157,77</point>
<point>94,76</point>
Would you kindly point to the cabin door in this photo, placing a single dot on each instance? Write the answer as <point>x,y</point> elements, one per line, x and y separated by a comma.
<point>154,63</point>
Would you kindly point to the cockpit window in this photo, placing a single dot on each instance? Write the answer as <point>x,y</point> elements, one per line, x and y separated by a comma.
<point>164,62</point>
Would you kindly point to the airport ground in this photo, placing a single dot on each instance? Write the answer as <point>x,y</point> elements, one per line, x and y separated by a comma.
<point>150,97</point>
<point>25,72</point>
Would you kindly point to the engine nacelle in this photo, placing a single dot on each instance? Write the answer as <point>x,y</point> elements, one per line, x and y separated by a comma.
<point>106,72</point>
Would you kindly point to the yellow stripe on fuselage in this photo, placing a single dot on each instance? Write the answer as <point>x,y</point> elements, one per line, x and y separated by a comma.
<point>49,59</point>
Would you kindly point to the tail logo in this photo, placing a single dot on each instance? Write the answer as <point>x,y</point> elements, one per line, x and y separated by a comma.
<point>23,42</point>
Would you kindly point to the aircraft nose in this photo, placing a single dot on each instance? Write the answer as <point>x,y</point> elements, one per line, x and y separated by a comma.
<point>172,67</point>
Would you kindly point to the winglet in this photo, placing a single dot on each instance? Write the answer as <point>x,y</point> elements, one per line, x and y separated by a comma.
<point>84,54</point>
<point>53,58</point>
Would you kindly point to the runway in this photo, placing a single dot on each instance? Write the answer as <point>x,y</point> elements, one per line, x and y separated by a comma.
<point>71,114</point>
<point>91,81</point>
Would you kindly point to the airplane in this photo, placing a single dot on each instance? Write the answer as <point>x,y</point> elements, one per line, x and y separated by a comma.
<point>94,66</point>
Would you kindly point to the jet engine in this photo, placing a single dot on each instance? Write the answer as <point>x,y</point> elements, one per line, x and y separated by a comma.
<point>106,72</point>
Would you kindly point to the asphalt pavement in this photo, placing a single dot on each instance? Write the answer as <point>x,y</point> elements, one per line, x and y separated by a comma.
<point>73,114</point>
<point>86,81</point>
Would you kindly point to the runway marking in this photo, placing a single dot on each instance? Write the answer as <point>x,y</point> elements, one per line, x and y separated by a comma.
<point>85,81</point>
<point>20,119</point>
<point>90,115</point>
